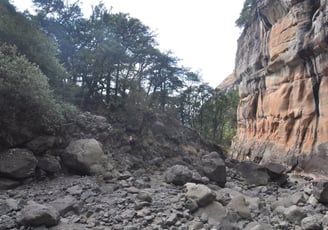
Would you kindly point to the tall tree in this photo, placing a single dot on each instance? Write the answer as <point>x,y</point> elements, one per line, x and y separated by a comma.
<point>17,30</point>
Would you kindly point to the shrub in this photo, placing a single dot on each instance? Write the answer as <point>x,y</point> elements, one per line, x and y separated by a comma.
<point>26,101</point>
<point>246,13</point>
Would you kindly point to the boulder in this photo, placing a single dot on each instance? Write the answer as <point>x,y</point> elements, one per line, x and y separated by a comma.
<point>294,214</point>
<point>85,157</point>
<point>6,183</point>
<point>214,213</point>
<point>178,175</point>
<point>17,163</point>
<point>64,204</point>
<point>87,125</point>
<point>214,168</point>
<point>34,214</point>
<point>320,190</point>
<point>253,173</point>
<point>202,194</point>
<point>144,196</point>
<point>312,222</point>
<point>49,163</point>
<point>41,144</point>
<point>277,172</point>
<point>240,206</point>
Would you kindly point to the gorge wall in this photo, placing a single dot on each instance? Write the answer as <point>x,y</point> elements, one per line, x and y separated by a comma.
<point>282,69</point>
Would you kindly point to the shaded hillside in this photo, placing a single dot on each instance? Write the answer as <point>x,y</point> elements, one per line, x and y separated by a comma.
<point>160,141</point>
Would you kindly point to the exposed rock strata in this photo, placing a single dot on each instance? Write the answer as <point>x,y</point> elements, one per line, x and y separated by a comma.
<point>281,64</point>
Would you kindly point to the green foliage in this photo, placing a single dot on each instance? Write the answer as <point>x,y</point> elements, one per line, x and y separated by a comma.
<point>246,13</point>
<point>111,60</point>
<point>211,112</point>
<point>17,30</point>
<point>25,98</point>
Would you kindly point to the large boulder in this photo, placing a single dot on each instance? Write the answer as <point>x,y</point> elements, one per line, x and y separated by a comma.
<point>253,173</point>
<point>178,175</point>
<point>85,157</point>
<point>87,125</point>
<point>320,190</point>
<point>17,163</point>
<point>214,168</point>
<point>34,214</point>
<point>276,172</point>
<point>200,193</point>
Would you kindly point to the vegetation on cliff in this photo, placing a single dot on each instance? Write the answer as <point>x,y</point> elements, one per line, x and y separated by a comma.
<point>246,14</point>
<point>103,63</point>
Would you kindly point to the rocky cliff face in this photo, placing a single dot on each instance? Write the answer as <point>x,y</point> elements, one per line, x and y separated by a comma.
<point>282,67</point>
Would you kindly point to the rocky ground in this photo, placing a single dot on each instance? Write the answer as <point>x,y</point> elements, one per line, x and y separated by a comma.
<point>145,200</point>
<point>170,179</point>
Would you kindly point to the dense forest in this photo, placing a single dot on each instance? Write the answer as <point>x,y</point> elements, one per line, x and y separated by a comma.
<point>56,61</point>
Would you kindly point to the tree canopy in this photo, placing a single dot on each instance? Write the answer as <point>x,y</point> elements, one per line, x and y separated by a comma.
<point>109,60</point>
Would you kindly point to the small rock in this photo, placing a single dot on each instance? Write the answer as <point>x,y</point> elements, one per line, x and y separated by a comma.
<point>144,196</point>
<point>172,219</point>
<point>75,190</point>
<point>7,222</point>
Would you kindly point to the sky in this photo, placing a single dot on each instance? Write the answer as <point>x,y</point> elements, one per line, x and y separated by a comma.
<point>201,33</point>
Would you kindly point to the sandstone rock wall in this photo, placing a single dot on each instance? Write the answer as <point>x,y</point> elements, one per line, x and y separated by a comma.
<point>282,67</point>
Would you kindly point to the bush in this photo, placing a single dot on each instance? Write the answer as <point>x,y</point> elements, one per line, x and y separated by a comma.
<point>27,104</point>
<point>246,13</point>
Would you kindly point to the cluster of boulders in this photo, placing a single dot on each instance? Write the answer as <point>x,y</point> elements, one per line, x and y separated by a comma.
<point>219,194</point>
<point>77,148</point>
<point>83,156</point>
<point>83,180</point>
<point>254,197</point>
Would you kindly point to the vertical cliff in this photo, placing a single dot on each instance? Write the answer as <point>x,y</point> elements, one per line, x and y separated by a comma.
<point>282,67</point>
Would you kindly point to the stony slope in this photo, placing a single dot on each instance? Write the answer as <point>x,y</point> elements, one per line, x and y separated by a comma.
<point>171,179</point>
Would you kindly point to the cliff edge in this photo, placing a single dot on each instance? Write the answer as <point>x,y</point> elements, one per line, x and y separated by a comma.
<point>282,67</point>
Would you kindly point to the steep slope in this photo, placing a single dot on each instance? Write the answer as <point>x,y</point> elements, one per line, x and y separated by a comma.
<point>281,64</point>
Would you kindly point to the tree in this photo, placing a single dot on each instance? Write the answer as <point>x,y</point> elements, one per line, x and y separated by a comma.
<point>219,114</point>
<point>17,30</point>
<point>27,104</point>
<point>246,14</point>
<point>165,78</point>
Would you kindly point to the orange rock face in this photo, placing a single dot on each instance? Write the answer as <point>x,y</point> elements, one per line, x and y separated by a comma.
<point>282,67</point>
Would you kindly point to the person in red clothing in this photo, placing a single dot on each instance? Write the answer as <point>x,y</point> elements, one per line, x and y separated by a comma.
<point>132,140</point>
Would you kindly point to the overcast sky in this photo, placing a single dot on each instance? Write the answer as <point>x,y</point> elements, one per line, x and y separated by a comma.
<point>201,33</point>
